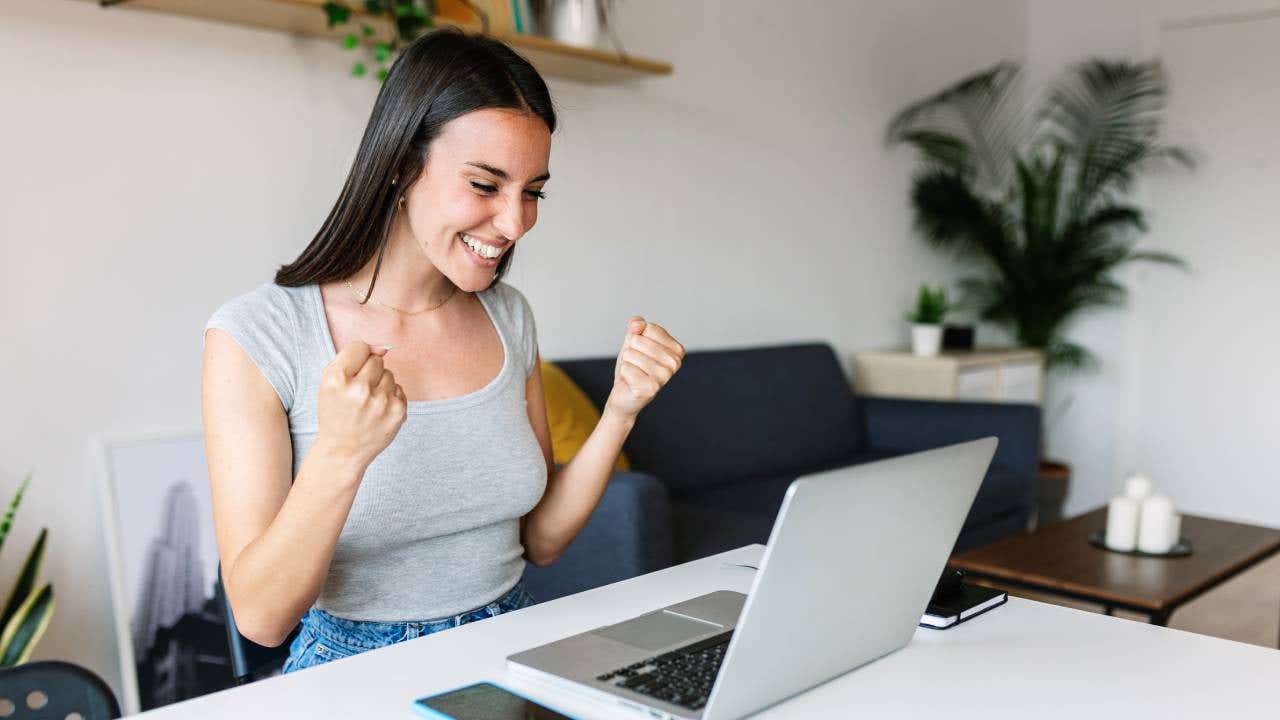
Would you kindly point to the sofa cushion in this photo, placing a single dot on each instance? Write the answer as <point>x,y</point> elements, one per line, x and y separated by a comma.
<point>735,414</point>
<point>1003,492</point>
<point>628,534</point>
<point>570,416</point>
<point>715,519</point>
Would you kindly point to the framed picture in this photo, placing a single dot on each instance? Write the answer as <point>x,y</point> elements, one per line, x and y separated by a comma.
<point>158,519</point>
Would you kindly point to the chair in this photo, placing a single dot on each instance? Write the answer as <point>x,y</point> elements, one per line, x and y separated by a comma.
<point>55,689</point>
<point>249,660</point>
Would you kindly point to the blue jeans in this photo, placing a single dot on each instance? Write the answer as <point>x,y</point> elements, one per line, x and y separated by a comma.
<point>326,637</point>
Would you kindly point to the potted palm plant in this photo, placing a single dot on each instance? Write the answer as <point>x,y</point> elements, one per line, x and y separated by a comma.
<point>1037,198</point>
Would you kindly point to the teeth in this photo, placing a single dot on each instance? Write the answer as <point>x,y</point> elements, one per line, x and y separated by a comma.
<point>485,251</point>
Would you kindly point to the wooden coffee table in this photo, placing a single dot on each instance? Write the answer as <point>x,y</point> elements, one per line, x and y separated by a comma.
<point>1058,559</point>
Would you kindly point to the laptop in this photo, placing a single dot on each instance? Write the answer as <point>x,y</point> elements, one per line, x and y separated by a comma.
<point>851,563</point>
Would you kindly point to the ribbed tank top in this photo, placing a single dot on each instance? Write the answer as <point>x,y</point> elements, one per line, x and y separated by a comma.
<point>434,528</point>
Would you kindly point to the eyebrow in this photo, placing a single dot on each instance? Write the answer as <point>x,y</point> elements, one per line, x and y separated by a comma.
<point>502,174</point>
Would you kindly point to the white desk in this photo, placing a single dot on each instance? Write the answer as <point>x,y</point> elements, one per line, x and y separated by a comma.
<point>1026,660</point>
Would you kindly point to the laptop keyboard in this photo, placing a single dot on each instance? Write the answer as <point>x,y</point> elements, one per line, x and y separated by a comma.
<point>681,677</point>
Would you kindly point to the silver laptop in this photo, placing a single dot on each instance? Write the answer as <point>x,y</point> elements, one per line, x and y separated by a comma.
<point>852,561</point>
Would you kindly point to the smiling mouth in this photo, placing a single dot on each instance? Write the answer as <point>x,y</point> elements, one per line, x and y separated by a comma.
<point>481,249</point>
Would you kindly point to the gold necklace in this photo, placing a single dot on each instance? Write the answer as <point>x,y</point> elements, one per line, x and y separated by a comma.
<point>402,312</point>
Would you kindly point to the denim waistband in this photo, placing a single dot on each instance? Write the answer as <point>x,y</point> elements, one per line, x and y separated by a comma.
<point>372,634</point>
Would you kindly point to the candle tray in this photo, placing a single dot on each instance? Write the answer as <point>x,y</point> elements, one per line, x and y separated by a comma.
<point>1182,548</point>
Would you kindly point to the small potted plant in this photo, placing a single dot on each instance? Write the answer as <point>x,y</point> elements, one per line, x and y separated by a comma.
<point>926,321</point>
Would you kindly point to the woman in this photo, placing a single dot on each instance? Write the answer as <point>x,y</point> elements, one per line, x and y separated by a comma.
<point>374,419</point>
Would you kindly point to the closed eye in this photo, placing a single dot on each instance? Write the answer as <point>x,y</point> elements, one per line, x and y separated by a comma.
<point>486,189</point>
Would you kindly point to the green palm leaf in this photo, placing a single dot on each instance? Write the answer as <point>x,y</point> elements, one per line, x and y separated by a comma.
<point>951,216</point>
<point>25,627</point>
<point>1107,115</point>
<point>1157,256</point>
<point>970,128</point>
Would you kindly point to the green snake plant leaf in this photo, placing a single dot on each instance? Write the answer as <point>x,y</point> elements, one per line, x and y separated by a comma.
<point>13,508</point>
<point>26,579</point>
<point>25,627</point>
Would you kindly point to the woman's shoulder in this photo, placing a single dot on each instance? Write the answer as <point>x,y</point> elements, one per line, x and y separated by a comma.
<point>513,310</point>
<point>267,295</point>
<point>505,294</point>
<point>265,322</point>
<point>510,302</point>
<point>265,302</point>
<point>268,315</point>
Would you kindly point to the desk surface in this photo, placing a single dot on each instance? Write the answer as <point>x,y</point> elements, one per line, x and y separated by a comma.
<point>1023,660</point>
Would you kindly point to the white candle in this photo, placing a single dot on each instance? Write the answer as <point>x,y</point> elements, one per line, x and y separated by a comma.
<point>1138,486</point>
<point>1122,523</point>
<point>1156,531</point>
<point>1175,530</point>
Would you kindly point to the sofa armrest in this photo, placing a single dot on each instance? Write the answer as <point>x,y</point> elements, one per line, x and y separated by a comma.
<point>911,425</point>
<point>629,534</point>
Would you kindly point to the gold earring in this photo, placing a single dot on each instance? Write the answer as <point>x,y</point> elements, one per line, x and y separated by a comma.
<point>401,203</point>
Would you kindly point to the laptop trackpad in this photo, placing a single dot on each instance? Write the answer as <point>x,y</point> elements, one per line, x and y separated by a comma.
<point>657,630</point>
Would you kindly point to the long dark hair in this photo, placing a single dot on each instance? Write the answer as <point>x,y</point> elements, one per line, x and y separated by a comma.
<point>438,77</point>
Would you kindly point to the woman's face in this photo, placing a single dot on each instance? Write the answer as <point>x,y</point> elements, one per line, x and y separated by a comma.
<point>478,192</point>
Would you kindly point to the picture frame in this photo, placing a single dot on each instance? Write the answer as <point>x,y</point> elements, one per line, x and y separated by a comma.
<point>157,518</point>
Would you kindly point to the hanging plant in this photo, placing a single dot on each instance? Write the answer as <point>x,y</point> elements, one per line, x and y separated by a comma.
<point>409,18</point>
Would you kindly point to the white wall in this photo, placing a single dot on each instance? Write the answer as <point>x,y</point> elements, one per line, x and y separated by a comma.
<point>1184,390</point>
<point>1083,409</point>
<point>157,166</point>
<point>1208,418</point>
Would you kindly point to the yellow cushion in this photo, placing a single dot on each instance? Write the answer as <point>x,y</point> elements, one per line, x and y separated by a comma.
<point>571,415</point>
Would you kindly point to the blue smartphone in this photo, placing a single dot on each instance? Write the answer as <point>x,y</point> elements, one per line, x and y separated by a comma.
<point>483,701</point>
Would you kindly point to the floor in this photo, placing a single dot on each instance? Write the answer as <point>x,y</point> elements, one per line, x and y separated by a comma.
<point>1245,608</point>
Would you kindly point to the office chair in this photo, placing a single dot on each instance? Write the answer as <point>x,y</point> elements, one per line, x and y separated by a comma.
<point>249,660</point>
<point>55,689</point>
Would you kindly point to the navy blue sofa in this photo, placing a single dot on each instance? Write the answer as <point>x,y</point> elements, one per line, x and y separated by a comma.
<point>714,453</point>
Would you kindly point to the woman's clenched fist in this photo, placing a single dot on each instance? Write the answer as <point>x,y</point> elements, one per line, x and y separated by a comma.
<point>648,360</point>
<point>361,407</point>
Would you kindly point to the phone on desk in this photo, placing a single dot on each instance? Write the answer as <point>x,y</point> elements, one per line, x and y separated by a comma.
<point>483,701</point>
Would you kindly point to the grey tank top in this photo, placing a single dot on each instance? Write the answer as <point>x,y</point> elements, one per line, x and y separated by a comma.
<point>434,529</point>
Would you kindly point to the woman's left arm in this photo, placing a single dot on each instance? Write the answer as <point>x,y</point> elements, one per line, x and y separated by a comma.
<point>649,358</point>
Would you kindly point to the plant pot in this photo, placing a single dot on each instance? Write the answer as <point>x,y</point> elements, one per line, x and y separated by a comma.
<point>1051,491</point>
<point>926,340</point>
<point>957,337</point>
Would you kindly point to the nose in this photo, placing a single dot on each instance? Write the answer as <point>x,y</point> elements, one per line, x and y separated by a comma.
<point>510,220</point>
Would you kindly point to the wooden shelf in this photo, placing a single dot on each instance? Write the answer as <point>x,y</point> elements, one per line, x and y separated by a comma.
<point>306,18</point>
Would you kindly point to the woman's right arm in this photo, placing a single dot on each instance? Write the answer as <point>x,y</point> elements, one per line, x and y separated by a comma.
<point>276,534</point>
